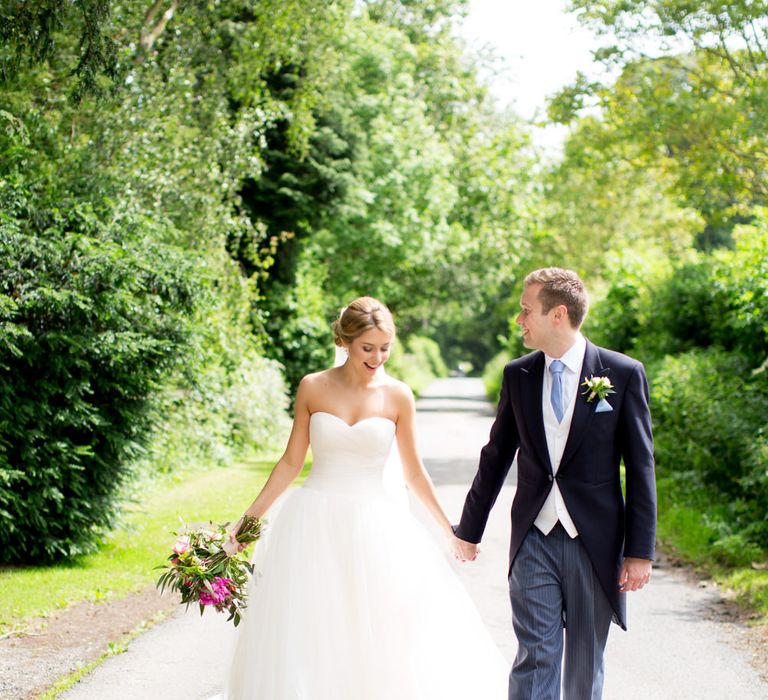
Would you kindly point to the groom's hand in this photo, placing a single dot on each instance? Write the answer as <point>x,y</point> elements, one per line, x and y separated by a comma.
<point>634,574</point>
<point>464,551</point>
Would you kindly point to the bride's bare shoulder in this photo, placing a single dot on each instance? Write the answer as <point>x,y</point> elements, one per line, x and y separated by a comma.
<point>317,381</point>
<point>399,390</point>
<point>315,387</point>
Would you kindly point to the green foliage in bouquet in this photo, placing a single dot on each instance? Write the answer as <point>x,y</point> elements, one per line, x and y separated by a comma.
<point>205,568</point>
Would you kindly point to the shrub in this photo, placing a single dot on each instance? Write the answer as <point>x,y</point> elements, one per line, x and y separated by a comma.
<point>218,415</point>
<point>614,321</point>
<point>296,328</point>
<point>226,400</point>
<point>416,361</point>
<point>429,352</point>
<point>683,529</point>
<point>493,373</point>
<point>720,299</point>
<point>755,482</point>
<point>747,277</point>
<point>700,532</point>
<point>708,410</point>
<point>90,326</point>
<point>735,550</point>
<point>685,310</point>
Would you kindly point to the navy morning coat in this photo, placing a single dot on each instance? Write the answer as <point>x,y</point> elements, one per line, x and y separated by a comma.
<point>589,476</point>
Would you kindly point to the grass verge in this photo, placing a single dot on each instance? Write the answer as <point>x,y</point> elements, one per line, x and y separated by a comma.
<point>125,562</point>
<point>691,532</point>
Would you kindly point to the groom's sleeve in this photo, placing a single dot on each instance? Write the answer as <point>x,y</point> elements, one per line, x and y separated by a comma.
<point>495,460</point>
<point>637,451</point>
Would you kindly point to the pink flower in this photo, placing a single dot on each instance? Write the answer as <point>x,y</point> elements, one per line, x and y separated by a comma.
<point>182,545</point>
<point>220,593</point>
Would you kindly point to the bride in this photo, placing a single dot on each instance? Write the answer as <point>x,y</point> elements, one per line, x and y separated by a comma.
<point>351,597</point>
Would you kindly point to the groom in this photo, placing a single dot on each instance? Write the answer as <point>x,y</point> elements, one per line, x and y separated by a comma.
<point>576,546</point>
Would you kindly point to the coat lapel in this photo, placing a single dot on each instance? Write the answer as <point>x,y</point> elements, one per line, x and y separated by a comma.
<point>583,411</point>
<point>532,379</point>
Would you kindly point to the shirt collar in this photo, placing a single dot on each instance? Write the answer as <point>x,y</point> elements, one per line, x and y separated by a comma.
<point>573,358</point>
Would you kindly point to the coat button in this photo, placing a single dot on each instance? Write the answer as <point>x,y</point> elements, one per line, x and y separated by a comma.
<point>550,477</point>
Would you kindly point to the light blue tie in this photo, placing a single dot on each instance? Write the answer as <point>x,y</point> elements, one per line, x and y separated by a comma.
<point>556,395</point>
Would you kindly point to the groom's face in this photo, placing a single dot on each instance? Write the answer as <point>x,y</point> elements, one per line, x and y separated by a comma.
<point>537,327</point>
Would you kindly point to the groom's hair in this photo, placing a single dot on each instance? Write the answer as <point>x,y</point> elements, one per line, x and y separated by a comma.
<point>559,286</point>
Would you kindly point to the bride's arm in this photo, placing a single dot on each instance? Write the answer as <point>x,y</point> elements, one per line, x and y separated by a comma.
<point>289,465</point>
<point>416,476</point>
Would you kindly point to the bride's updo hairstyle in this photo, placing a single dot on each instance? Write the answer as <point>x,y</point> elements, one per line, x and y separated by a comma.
<point>363,314</point>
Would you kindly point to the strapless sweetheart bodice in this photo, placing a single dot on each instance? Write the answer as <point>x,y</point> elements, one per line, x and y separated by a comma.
<point>348,457</point>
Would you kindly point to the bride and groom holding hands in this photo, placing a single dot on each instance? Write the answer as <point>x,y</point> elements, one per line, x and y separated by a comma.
<point>352,599</point>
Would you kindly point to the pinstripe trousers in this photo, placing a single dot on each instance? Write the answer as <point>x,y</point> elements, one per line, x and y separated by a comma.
<point>557,606</point>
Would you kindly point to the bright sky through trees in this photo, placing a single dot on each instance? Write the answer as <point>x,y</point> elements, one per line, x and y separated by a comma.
<point>542,47</point>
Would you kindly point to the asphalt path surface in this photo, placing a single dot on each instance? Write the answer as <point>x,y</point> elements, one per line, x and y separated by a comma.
<point>679,644</point>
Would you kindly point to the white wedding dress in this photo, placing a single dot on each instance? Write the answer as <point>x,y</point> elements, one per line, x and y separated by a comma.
<point>352,599</point>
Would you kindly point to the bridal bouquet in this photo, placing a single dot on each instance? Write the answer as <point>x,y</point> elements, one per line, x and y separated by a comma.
<point>206,568</point>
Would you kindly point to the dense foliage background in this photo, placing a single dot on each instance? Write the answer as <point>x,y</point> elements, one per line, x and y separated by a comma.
<point>190,190</point>
<point>659,201</point>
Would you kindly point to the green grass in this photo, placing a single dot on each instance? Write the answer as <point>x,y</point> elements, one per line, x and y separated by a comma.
<point>750,588</point>
<point>689,531</point>
<point>125,562</point>
<point>683,530</point>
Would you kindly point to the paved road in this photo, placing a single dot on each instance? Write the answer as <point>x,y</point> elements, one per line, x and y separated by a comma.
<point>676,647</point>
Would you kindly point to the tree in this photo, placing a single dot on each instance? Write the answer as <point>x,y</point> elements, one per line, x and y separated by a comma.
<point>599,200</point>
<point>117,294</point>
<point>410,189</point>
<point>697,111</point>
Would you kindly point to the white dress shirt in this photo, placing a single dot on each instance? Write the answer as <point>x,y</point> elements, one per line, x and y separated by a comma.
<point>554,509</point>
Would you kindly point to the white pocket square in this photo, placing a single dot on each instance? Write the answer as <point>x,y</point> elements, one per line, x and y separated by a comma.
<point>603,406</point>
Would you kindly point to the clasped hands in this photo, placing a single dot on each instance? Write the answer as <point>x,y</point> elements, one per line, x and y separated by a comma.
<point>462,550</point>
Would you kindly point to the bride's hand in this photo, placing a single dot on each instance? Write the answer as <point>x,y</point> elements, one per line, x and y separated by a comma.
<point>463,551</point>
<point>232,546</point>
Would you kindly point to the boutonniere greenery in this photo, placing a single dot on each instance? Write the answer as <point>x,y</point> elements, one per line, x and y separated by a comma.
<point>598,387</point>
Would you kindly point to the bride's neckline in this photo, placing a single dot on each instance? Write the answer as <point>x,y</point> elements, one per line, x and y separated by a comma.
<point>352,425</point>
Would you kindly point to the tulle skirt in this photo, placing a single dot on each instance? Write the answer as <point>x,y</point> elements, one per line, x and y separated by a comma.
<point>352,599</point>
